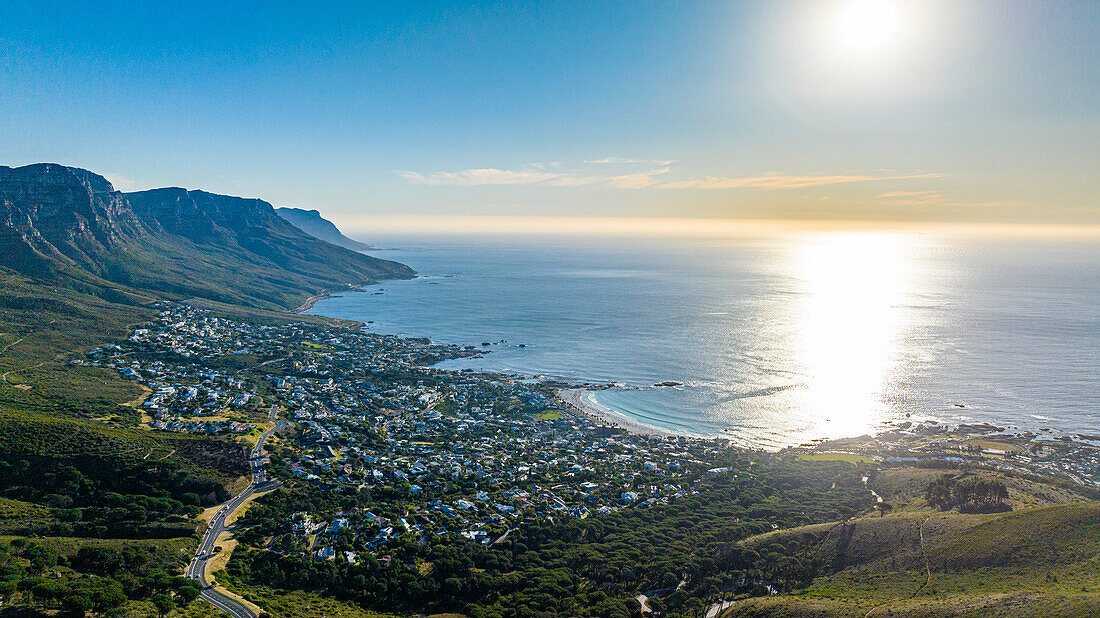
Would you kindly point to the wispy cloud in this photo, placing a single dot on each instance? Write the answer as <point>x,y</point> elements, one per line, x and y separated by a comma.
<point>480,177</point>
<point>776,181</point>
<point>934,198</point>
<point>621,160</point>
<point>653,177</point>
<point>533,175</point>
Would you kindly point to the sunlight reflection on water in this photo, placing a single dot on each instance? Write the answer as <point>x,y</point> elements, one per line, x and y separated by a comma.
<point>849,321</point>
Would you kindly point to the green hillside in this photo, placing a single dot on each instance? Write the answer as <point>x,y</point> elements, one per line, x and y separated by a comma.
<point>1036,561</point>
<point>240,251</point>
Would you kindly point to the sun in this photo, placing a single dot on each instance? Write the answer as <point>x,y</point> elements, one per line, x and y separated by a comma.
<point>867,26</point>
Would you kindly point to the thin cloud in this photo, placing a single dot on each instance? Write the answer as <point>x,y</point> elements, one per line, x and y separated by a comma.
<point>613,160</point>
<point>120,182</point>
<point>777,182</point>
<point>480,177</point>
<point>913,198</point>
<point>533,176</point>
<point>621,160</point>
<point>935,198</point>
<point>636,181</point>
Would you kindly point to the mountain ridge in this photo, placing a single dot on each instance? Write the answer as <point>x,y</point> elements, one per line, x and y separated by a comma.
<point>70,226</point>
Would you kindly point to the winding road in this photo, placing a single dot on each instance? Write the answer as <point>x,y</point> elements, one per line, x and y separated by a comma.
<point>197,569</point>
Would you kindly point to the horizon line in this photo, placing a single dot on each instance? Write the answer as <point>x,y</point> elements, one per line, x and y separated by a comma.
<point>684,227</point>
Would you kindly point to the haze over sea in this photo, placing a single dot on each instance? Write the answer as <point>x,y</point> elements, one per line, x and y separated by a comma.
<point>778,339</point>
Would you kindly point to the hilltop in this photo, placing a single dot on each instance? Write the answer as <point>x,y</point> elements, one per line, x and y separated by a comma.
<point>311,222</point>
<point>1040,558</point>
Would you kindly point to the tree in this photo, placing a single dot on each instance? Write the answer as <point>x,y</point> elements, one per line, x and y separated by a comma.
<point>107,595</point>
<point>188,592</point>
<point>77,602</point>
<point>163,603</point>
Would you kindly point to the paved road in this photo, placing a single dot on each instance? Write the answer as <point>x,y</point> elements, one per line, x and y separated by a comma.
<point>197,569</point>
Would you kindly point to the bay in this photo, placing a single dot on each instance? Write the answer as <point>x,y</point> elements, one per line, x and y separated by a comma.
<point>777,339</point>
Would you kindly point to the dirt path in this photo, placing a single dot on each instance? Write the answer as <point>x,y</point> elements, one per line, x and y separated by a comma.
<point>5,348</point>
<point>927,569</point>
<point>924,554</point>
<point>503,536</point>
<point>4,376</point>
<point>10,345</point>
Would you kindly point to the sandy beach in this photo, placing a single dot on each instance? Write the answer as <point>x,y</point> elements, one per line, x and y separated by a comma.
<point>574,398</point>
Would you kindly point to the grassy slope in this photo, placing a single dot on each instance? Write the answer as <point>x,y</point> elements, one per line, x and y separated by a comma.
<point>42,326</point>
<point>47,404</point>
<point>1038,560</point>
<point>16,515</point>
<point>53,409</point>
<point>299,604</point>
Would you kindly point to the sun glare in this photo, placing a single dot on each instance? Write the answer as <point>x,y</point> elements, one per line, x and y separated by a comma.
<point>864,26</point>
<point>848,56</point>
<point>855,285</point>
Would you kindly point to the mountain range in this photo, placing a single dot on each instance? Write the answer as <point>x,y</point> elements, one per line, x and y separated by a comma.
<point>70,227</point>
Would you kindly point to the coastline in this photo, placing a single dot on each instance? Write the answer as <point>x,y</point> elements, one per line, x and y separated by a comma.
<point>316,298</point>
<point>574,399</point>
<point>571,398</point>
<point>312,300</point>
<point>940,443</point>
<point>361,287</point>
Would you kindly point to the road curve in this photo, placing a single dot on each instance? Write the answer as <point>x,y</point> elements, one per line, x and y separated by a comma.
<point>197,569</point>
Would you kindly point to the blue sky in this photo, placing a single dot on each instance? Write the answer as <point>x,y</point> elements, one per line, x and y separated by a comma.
<point>970,110</point>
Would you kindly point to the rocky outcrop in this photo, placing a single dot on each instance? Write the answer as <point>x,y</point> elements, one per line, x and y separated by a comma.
<point>53,213</point>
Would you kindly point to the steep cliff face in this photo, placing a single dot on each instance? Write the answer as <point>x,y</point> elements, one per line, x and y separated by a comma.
<point>174,210</point>
<point>58,222</point>
<point>200,216</point>
<point>55,215</point>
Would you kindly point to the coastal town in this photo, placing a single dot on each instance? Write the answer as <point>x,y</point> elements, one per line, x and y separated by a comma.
<point>446,455</point>
<point>462,454</point>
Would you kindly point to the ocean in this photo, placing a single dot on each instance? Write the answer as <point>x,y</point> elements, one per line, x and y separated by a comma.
<point>775,340</point>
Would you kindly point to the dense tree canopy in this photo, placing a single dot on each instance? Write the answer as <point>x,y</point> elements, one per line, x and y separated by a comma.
<point>593,566</point>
